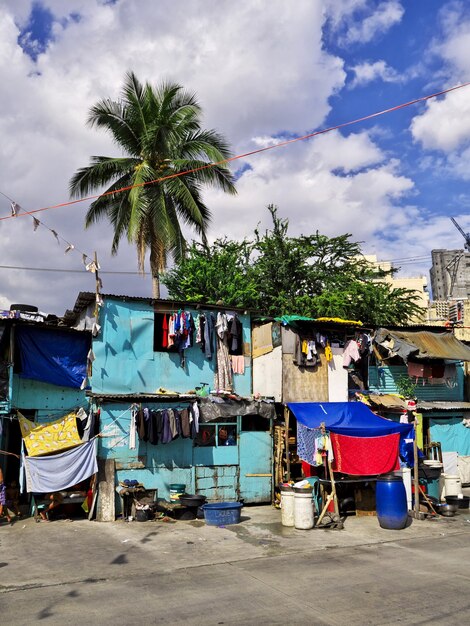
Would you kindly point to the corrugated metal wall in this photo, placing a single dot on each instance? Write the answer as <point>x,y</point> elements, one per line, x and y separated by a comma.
<point>383,379</point>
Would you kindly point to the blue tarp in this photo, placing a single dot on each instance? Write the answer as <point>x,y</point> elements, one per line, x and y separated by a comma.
<point>53,356</point>
<point>346,418</point>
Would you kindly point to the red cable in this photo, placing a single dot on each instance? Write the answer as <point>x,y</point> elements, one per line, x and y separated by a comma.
<point>245,154</point>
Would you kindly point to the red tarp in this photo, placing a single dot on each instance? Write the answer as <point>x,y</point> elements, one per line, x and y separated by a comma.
<point>365,456</point>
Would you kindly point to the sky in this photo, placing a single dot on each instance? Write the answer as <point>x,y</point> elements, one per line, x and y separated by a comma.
<point>263,72</point>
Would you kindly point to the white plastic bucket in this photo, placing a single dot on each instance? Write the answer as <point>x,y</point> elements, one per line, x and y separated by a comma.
<point>452,485</point>
<point>287,506</point>
<point>405,473</point>
<point>303,509</point>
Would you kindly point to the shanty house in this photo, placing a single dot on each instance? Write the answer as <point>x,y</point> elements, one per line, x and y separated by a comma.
<point>146,370</point>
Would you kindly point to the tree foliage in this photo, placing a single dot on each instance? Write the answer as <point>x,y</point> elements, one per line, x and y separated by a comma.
<point>160,133</point>
<point>275,274</point>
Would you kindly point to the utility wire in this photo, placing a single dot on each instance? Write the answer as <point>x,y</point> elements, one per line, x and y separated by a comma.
<point>246,154</point>
<point>70,271</point>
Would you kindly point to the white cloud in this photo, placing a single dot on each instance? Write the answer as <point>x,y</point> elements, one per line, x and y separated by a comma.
<point>260,71</point>
<point>379,70</point>
<point>445,123</point>
<point>361,200</point>
<point>237,64</point>
<point>361,22</point>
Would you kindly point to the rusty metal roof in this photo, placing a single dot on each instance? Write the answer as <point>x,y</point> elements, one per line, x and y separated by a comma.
<point>443,406</point>
<point>423,344</point>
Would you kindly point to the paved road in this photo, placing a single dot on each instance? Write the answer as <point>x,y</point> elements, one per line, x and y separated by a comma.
<point>80,573</point>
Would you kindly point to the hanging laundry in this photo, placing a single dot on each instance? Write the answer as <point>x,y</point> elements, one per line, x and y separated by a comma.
<point>366,456</point>
<point>301,352</point>
<point>166,430</point>
<point>133,429</point>
<point>235,336</point>
<point>185,425</point>
<point>209,336</point>
<point>351,353</point>
<point>238,364</point>
<point>223,380</point>
<point>165,332</point>
<point>194,419</point>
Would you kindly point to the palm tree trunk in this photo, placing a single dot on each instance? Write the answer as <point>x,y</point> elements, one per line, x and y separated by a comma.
<point>156,287</point>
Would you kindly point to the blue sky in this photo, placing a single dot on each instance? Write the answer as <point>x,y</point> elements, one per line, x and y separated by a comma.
<point>262,72</point>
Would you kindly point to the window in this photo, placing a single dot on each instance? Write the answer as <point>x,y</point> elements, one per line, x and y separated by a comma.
<point>217,434</point>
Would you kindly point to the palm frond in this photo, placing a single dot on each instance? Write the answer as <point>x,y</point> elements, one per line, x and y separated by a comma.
<point>99,173</point>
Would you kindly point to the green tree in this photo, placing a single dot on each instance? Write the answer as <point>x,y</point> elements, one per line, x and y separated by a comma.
<point>160,134</point>
<point>314,275</point>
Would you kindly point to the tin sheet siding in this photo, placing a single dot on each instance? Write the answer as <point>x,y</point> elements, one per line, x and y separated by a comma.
<point>383,379</point>
<point>126,363</point>
<point>48,400</point>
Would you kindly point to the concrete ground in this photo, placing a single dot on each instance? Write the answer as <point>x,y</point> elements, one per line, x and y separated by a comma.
<point>255,572</point>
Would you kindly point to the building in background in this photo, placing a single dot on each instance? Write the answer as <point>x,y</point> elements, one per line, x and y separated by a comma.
<point>419,284</point>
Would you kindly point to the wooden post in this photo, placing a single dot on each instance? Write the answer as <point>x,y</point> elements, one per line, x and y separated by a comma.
<point>286,420</point>
<point>333,488</point>
<point>415,473</point>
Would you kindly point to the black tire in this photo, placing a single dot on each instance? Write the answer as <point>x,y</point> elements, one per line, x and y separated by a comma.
<point>27,308</point>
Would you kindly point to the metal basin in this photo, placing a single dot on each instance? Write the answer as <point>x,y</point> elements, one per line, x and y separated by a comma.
<point>445,509</point>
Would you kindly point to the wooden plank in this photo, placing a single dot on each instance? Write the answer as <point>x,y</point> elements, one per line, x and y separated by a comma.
<point>300,384</point>
<point>106,511</point>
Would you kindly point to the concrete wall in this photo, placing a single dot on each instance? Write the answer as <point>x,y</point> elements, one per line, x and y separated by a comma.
<point>125,361</point>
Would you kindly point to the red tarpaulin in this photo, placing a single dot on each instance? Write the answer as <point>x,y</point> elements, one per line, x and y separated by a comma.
<point>365,456</point>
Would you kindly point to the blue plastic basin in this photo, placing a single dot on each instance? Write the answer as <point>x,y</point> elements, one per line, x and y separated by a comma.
<point>222,513</point>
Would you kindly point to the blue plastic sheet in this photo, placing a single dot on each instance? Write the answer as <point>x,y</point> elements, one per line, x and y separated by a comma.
<point>346,418</point>
<point>53,356</point>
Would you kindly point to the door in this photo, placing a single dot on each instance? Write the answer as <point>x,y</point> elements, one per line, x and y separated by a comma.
<point>215,460</point>
<point>256,459</point>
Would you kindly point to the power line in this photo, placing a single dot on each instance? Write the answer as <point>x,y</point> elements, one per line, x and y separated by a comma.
<point>246,154</point>
<point>69,271</point>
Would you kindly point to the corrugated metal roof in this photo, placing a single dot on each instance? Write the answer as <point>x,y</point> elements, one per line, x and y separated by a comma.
<point>443,406</point>
<point>85,298</point>
<point>423,344</point>
<point>135,397</point>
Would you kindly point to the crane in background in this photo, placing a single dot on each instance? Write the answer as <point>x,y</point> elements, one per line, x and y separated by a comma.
<point>465,235</point>
<point>453,266</point>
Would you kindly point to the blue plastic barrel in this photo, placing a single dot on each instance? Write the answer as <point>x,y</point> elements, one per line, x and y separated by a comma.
<point>390,502</point>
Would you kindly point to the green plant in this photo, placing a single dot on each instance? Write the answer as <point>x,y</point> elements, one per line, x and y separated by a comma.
<point>406,387</point>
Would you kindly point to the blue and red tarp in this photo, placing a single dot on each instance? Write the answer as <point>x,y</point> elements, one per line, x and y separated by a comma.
<point>363,443</point>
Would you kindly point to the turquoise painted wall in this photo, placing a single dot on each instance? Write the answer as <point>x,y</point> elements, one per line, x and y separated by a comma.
<point>50,401</point>
<point>126,363</point>
<point>450,432</point>
<point>219,472</point>
<point>383,379</point>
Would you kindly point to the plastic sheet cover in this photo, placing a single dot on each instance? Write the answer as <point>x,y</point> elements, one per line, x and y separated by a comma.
<point>53,356</point>
<point>346,418</point>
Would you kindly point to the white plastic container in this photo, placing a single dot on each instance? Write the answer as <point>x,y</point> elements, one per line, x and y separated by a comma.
<point>453,486</point>
<point>405,473</point>
<point>287,506</point>
<point>303,509</point>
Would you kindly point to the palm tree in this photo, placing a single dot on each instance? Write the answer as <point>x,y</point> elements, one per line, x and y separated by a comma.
<point>159,132</point>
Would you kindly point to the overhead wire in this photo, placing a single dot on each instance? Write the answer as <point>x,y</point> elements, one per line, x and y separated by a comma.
<point>246,154</point>
<point>17,207</point>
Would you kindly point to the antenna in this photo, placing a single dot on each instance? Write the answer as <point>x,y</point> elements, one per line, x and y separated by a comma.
<point>465,235</point>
